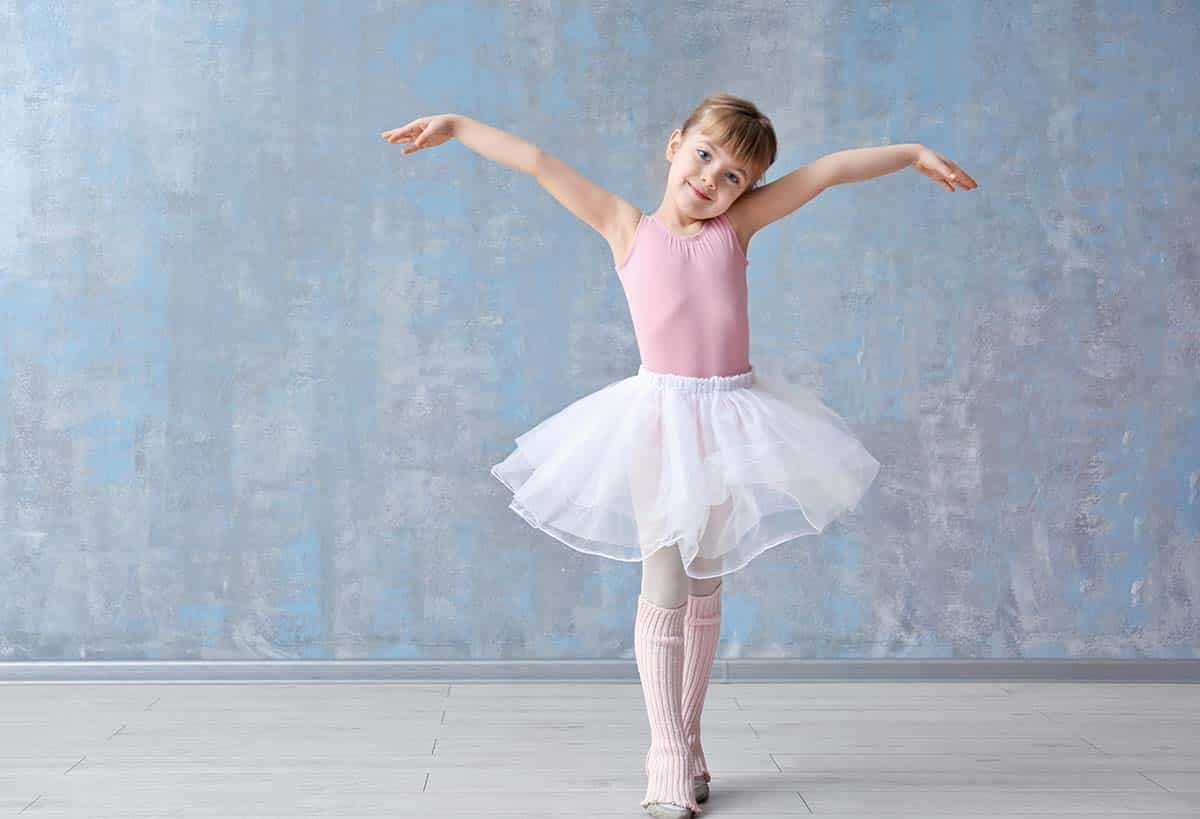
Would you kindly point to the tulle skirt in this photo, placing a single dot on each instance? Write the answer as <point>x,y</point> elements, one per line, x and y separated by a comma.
<point>725,466</point>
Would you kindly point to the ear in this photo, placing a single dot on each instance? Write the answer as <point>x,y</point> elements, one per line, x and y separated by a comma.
<point>673,144</point>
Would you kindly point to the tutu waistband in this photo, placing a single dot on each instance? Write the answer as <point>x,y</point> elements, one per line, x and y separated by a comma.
<point>694,383</point>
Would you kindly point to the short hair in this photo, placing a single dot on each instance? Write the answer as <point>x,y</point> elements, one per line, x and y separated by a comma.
<point>737,125</point>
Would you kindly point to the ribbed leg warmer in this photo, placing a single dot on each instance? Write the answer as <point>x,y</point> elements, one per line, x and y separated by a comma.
<point>702,631</point>
<point>658,650</point>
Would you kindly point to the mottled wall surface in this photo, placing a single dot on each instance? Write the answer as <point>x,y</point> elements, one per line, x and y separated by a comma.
<point>256,364</point>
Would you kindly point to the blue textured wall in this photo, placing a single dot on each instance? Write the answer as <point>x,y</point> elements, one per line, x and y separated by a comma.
<point>256,364</point>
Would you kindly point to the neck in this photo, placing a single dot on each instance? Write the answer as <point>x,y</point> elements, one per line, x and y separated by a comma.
<point>671,217</point>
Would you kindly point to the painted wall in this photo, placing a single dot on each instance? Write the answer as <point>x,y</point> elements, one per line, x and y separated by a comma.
<point>256,364</point>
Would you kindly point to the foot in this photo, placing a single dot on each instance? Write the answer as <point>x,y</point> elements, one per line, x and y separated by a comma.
<point>669,810</point>
<point>701,789</point>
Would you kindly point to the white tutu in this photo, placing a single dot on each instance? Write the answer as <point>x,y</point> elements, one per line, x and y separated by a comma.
<point>725,466</point>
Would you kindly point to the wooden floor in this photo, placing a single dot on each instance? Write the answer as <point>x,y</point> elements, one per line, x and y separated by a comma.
<point>575,750</point>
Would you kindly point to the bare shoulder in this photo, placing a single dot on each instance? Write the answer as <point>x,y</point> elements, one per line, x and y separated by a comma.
<point>620,233</point>
<point>733,214</point>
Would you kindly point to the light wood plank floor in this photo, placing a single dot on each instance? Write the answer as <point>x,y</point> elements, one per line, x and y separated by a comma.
<point>575,750</point>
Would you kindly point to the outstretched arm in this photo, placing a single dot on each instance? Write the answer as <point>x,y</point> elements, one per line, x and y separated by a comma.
<point>585,199</point>
<point>861,164</point>
<point>762,206</point>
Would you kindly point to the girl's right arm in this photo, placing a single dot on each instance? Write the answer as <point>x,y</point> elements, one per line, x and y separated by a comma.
<point>603,211</point>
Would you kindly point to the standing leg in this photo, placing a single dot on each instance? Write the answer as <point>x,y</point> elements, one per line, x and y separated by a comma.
<point>664,581</point>
<point>658,649</point>
<point>702,632</point>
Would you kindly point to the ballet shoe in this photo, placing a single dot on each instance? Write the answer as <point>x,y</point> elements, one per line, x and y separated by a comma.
<point>669,810</point>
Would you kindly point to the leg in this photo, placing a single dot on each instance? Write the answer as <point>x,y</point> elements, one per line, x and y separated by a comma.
<point>702,632</point>
<point>664,582</point>
<point>658,648</point>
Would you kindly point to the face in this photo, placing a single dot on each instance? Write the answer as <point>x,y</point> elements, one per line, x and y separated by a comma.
<point>699,164</point>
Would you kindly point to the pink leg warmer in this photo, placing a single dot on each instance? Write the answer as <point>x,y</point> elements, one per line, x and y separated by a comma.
<point>702,632</point>
<point>658,649</point>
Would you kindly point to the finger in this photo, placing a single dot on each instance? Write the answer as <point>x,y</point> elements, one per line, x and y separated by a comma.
<point>403,130</point>
<point>403,135</point>
<point>962,176</point>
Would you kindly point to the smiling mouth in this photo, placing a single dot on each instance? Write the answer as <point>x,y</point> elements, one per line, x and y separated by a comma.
<point>697,192</point>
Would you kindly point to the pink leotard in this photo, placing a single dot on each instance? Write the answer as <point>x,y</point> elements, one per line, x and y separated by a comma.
<point>687,298</point>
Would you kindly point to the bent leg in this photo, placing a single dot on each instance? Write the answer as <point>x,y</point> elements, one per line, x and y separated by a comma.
<point>703,586</point>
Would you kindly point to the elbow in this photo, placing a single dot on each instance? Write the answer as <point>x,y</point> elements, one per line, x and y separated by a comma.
<point>830,171</point>
<point>534,161</point>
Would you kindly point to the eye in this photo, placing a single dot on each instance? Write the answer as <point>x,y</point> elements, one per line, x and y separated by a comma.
<point>733,177</point>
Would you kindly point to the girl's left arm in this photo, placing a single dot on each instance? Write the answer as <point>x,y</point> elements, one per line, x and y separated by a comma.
<point>858,164</point>
<point>757,208</point>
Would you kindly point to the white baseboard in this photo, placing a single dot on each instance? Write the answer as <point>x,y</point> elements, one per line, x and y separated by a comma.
<point>621,670</point>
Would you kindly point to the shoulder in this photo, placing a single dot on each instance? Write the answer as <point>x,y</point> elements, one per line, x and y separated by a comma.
<point>731,215</point>
<point>621,232</point>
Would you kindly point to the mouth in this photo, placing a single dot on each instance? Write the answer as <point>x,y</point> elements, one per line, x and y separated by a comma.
<point>696,191</point>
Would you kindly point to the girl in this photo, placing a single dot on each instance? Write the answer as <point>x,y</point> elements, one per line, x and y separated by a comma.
<point>698,463</point>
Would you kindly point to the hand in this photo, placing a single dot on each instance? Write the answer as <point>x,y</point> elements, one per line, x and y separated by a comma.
<point>940,169</point>
<point>425,132</point>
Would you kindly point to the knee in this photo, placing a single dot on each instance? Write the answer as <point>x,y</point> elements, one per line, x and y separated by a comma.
<point>665,598</point>
<point>702,587</point>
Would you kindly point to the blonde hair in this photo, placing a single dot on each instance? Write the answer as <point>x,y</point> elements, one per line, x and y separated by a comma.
<point>738,126</point>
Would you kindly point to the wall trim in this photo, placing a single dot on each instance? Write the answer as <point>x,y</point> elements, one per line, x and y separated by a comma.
<point>619,670</point>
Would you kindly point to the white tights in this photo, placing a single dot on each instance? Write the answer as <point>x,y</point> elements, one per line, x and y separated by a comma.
<point>666,584</point>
